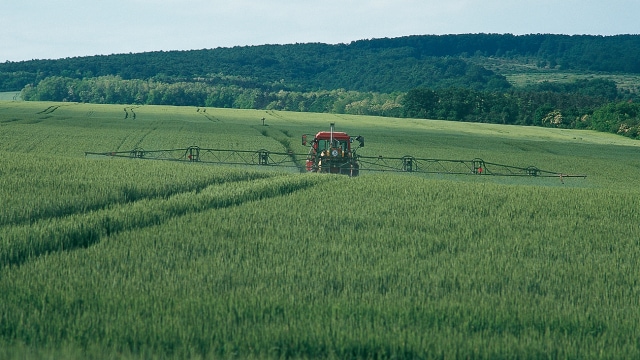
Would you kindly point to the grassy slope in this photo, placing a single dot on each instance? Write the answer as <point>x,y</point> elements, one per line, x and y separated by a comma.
<point>10,96</point>
<point>522,72</point>
<point>298,265</point>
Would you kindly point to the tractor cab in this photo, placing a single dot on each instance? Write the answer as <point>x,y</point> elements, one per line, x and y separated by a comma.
<point>339,146</point>
<point>331,152</point>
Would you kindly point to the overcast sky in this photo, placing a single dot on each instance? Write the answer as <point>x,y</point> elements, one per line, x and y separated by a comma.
<point>52,29</point>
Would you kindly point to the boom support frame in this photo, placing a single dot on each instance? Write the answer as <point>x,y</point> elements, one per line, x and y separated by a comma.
<point>264,157</point>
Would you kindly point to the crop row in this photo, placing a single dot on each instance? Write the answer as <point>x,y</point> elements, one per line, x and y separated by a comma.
<point>46,187</point>
<point>75,128</point>
<point>22,242</point>
<point>142,259</point>
<point>410,267</point>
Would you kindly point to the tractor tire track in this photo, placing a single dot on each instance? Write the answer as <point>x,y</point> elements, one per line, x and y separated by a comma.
<point>275,114</point>
<point>24,243</point>
<point>140,140</point>
<point>127,195</point>
<point>285,140</point>
<point>213,119</point>
<point>144,136</point>
<point>124,139</point>
<point>49,110</point>
<point>130,109</point>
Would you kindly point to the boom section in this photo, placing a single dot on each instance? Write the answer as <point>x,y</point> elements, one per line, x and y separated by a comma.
<point>212,156</point>
<point>346,161</point>
<point>475,166</point>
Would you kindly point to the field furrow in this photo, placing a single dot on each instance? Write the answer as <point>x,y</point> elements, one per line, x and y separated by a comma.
<point>127,258</point>
<point>24,242</point>
<point>63,187</point>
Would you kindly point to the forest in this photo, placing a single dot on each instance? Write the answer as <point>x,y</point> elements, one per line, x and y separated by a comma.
<point>437,77</point>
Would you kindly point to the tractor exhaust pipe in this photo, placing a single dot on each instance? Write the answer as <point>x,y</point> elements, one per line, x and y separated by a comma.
<point>332,125</point>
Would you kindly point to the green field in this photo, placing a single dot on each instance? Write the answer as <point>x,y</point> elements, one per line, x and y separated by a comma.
<point>524,72</point>
<point>625,82</point>
<point>10,96</point>
<point>121,258</point>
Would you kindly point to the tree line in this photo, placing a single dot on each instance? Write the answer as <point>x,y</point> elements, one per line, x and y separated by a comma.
<point>588,53</point>
<point>582,104</point>
<point>378,65</point>
<point>429,76</point>
<point>275,67</point>
<point>115,90</point>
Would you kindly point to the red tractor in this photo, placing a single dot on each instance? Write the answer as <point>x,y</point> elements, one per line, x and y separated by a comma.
<point>331,152</point>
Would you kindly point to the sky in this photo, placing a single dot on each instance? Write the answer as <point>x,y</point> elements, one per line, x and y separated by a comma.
<point>53,29</point>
